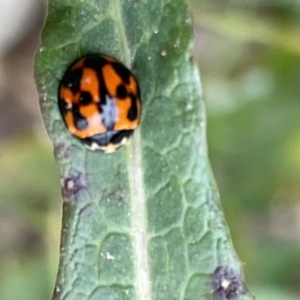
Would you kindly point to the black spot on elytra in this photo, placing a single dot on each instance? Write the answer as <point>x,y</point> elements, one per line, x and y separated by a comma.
<point>121,91</point>
<point>132,112</point>
<point>95,62</point>
<point>122,71</point>
<point>72,80</point>
<point>85,98</point>
<point>117,138</point>
<point>80,121</point>
<point>228,283</point>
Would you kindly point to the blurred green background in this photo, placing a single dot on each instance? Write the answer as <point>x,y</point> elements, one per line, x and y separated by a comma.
<point>248,53</point>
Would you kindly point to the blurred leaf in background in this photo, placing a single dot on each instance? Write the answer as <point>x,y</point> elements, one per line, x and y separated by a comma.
<point>29,183</point>
<point>29,218</point>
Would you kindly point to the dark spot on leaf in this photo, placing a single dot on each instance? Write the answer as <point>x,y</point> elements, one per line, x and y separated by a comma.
<point>228,283</point>
<point>72,185</point>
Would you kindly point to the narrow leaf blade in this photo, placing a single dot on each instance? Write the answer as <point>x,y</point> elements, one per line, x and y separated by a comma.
<point>144,222</point>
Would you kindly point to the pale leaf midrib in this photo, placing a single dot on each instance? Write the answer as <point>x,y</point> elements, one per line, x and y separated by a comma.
<point>138,219</point>
<point>136,186</point>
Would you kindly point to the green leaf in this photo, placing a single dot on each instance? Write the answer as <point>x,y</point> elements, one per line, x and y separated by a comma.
<point>144,222</point>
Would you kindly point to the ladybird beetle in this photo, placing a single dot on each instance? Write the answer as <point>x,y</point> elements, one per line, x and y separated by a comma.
<point>99,100</point>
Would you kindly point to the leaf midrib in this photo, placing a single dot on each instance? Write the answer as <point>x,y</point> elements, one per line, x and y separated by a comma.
<point>136,186</point>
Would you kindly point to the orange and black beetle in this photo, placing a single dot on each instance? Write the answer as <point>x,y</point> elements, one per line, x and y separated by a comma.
<point>99,100</point>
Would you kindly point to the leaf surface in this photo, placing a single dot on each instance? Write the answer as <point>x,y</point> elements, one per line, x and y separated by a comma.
<point>145,222</point>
